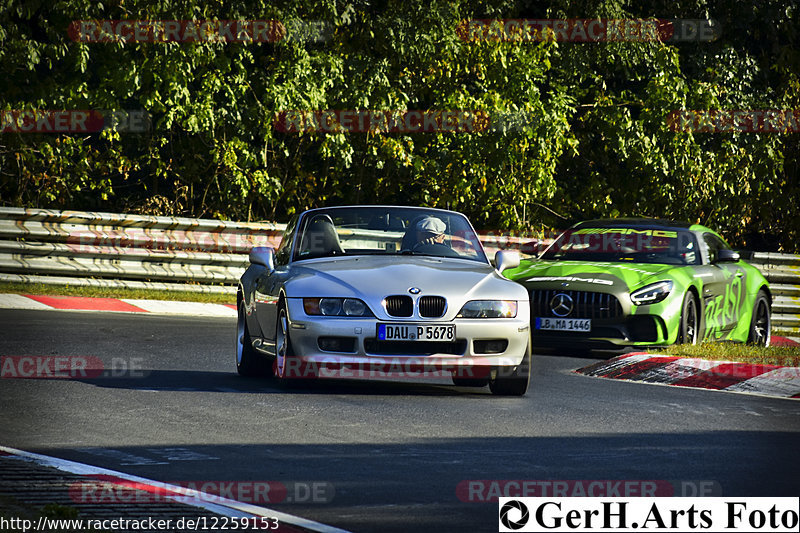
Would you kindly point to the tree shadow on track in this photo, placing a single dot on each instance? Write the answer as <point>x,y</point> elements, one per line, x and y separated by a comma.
<point>452,484</point>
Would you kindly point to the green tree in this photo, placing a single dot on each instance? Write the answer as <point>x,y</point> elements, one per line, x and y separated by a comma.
<point>578,129</point>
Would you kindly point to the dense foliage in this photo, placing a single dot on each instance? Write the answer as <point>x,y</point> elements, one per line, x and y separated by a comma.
<point>595,141</point>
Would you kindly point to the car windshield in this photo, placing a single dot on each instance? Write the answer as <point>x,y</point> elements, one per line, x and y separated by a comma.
<point>639,245</point>
<point>386,231</point>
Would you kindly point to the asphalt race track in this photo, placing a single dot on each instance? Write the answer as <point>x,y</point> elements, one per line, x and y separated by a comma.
<point>381,456</point>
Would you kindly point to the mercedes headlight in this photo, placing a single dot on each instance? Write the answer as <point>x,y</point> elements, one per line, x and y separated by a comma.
<point>652,294</point>
<point>489,309</point>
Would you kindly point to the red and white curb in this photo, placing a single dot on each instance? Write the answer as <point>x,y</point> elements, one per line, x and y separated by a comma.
<point>767,380</point>
<point>124,305</point>
<point>181,495</point>
<point>784,341</point>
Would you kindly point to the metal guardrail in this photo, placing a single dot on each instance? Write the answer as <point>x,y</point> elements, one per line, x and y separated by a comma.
<point>203,255</point>
<point>133,251</point>
<point>783,273</point>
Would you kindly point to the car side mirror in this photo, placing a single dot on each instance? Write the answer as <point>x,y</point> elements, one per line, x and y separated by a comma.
<point>264,256</point>
<point>504,259</point>
<point>727,256</point>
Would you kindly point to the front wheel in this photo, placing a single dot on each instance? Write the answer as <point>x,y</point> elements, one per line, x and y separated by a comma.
<point>690,322</point>
<point>286,365</point>
<point>506,381</point>
<point>248,362</point>
<point>760,323</point>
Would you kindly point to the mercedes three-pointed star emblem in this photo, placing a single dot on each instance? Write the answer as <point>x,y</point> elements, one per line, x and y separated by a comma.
<point>561,304</point>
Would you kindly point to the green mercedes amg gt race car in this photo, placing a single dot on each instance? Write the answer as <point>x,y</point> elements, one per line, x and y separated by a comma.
<point>643,282</point>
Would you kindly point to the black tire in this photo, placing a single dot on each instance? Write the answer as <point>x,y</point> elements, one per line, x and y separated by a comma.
<point>761,321</point>
<point>248,362</point>
<point>689,327</point>
<point>512,381</point>
<point>284,369</point>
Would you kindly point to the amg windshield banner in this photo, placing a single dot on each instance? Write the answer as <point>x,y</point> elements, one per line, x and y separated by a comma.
<point>621,515</point>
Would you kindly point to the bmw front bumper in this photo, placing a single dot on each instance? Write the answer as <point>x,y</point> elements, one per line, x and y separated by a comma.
<point>352,342</point>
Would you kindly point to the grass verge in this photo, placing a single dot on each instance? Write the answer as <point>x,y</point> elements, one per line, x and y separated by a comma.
<point>108,292</point>
<point>742,353</point>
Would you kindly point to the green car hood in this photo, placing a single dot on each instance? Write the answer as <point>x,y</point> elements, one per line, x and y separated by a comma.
<point>587,274</point>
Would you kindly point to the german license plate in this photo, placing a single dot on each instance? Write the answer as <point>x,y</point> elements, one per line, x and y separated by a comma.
<point>417,332</point>
<point>564,324</point>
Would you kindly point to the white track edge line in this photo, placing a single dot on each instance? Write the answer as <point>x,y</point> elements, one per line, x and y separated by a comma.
<point>132,313</point>
<point>226,507</point>
<point>217,311</point>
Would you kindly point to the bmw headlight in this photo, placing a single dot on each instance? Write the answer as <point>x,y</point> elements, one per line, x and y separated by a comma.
<point>652,294</point>
<point>353,307</point>
<point>330,306</point>
<point>335,307</point>
<point>489,309</point>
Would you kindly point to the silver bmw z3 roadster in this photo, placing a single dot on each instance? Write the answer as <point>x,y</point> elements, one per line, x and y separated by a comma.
<point>368,291</point>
